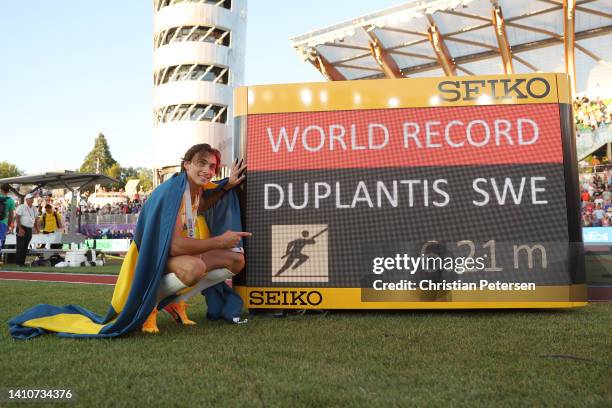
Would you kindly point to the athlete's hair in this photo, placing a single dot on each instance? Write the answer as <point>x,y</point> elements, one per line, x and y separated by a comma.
<point>202,148</point>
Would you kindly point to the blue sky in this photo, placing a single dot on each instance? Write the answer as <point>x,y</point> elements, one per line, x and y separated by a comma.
<point>71,69</point>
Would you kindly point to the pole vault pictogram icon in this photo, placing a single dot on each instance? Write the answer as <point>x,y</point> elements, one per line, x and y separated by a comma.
<point>294,253</point>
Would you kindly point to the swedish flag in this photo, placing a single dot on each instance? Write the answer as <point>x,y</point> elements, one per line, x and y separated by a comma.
<point>135,292</point>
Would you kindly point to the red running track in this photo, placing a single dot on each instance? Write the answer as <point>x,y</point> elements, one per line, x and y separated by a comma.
<point>87,278</point>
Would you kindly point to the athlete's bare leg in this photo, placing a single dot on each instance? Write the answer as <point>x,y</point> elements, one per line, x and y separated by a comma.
<point>188,268</point>
<point>223,258</point>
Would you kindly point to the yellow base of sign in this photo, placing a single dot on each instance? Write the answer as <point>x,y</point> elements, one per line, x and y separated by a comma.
<point>355,298</point>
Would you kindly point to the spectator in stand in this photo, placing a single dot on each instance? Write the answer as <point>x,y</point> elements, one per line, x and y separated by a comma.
<point>591,114</point>
<point>586,219</point>
<point>7,213</point>
<point>26,221</point>
<point>607,194</point>
<point>598,196</point>
<point>135,206</point>
<point>591,189</point>
<point>596,178</point>
<point>598,214</point>
<point>585,196</point>
<point>596,199</point>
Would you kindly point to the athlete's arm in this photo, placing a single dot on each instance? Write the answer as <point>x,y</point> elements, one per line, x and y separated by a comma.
<point>236,178</point>
<point>189,246</point>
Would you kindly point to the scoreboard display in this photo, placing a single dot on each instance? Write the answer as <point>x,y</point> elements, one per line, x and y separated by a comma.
<point>408,193</point>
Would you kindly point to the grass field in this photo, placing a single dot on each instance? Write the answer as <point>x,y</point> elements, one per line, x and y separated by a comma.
<point>598,267</point>
<point>471,358</point>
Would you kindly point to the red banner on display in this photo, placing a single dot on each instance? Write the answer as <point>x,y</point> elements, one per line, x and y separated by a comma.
<point>442,136</point>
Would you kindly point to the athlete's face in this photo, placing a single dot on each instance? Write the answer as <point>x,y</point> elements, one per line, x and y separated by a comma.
<point>202,168</point>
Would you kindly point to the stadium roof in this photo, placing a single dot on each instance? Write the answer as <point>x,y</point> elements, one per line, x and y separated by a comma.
<point>60,179</point>
<point>468,37</point>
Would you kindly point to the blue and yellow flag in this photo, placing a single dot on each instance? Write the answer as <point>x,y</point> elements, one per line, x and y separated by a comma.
<point>135,292</point>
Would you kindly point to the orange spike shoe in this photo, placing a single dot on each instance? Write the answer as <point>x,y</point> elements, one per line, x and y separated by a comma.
<point>150,325</point>
<point>178,311</point>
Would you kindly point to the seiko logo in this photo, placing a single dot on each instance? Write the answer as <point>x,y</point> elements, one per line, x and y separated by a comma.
<point>496,89</point>
<point>285,297</point>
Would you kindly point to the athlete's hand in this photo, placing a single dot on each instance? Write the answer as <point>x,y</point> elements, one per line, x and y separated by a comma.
<point>236,174</point>
<point>231,239</point>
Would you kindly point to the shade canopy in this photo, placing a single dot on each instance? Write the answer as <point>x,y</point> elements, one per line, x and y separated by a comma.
<point>468,37</point>
<point>60,179</point>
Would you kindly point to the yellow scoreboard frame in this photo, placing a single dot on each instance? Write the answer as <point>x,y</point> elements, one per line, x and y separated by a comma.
<point>534,94</point>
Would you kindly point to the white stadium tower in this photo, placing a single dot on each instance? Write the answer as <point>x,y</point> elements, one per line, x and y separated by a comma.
<point>198,58</point>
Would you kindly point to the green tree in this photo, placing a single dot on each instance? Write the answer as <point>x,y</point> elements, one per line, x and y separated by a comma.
<point>9,170</point>
<point>99,159</point>
<point>146,178</point>
<point>143,174</point>
<point>114,171</point>
<point>128,173</point>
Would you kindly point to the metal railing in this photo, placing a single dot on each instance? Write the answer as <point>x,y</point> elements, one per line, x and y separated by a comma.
<point>109,219</point>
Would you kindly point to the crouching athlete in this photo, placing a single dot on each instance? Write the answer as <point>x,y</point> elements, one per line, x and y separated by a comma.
<point>196,264</point>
